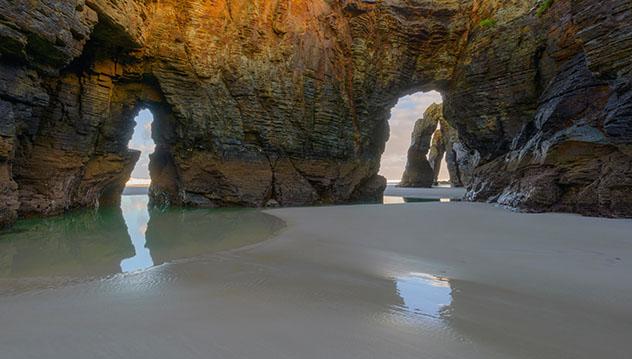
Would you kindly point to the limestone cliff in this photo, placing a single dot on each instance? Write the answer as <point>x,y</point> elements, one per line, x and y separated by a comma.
<point>287,101</point>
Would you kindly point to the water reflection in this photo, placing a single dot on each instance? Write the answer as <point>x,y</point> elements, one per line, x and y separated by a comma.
<point>424,294</point>
<point>402,200</point>
<point>93,243</point>
<point>185,233</point>
<point>136,217</point>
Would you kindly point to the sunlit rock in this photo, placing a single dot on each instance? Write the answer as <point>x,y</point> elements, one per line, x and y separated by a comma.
<point>260,101</point>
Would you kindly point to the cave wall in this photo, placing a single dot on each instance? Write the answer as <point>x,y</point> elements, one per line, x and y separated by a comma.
<point>66,108</point>
<point>265,102</point>
<point>294,93</point>
<point>546,103</point>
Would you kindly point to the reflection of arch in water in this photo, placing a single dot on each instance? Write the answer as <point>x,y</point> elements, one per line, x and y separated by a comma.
<point>92,243</point>
<point>424,295</point>
<point>80,243</point>
<point>160,236</point>
<point>183,233</point>
<point>137,218</point>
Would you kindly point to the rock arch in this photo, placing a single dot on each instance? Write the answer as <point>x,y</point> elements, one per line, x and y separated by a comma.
<point>432,139</point>
<point>277,101</point>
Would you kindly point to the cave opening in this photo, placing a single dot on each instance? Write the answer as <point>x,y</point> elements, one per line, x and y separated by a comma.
<point>407,151</point>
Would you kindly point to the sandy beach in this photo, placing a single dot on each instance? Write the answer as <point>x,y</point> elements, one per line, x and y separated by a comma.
<point>205,179</point>
<point>422,280</point>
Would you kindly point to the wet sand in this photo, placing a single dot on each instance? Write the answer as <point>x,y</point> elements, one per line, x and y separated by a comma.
<point>423,280</point>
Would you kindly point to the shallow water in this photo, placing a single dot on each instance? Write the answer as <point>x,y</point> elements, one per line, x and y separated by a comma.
<point>402,200</point>
<point>409,281</point>
<point>424,294</point>
<point>126,239</point>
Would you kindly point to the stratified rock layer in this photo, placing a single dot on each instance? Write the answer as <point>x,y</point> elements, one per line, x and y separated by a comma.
<point>563,145</point>
<point>265,102</point>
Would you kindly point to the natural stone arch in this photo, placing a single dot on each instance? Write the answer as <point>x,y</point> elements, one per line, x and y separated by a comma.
<point>91,165</point>
<point>434,139</point>
<point>296,94</point>
<point>312,137</point>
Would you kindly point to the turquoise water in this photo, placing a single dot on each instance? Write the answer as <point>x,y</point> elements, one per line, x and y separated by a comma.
<point>127,239</point>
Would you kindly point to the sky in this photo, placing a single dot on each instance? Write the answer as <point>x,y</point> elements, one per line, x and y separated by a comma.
<point>142,141</point>
<point>403,117</point>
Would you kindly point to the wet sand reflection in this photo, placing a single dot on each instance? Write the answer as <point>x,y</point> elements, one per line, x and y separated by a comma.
<point>127,239</point>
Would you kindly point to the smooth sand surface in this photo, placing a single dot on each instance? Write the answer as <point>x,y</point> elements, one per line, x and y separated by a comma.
<point>423,280</point>
<point>440,192</point>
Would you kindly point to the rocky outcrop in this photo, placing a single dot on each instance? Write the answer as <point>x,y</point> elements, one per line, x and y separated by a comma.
<point>461,161</point>
<point>433,139</point>
<point>436,154</point>
<point>271,110</point>
<point>419,171</point>
<point>286,102</point>
<point>555,152</point>
<point>554,166</point>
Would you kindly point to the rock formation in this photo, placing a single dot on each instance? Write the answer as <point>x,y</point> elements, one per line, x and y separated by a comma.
<point>556,133</point>
<point>436,153</point>
<point>461,162</point>
<point>419,171</point>
<point>275,101</point>
<point>432,139</point>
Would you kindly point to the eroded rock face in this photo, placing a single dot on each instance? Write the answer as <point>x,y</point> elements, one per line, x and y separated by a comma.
<point>561,157</point>
<point>419,171</point>
<point>572,168</point>
<point>261,102</point>
<point>436,154</point>
<point>433,139</point>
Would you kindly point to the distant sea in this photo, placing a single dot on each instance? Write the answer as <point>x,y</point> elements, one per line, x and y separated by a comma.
<point>136,191</point>
<point>137,187</point>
